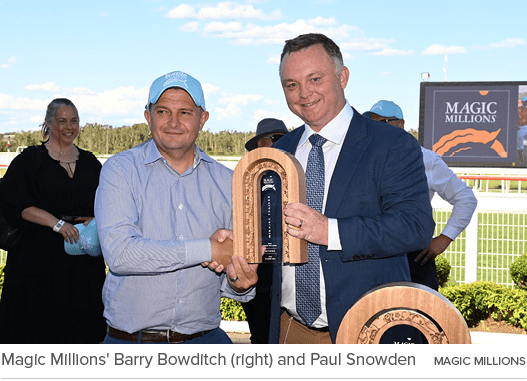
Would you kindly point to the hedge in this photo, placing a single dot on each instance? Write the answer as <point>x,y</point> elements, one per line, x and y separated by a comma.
<point>519,271</point>
<point>232,310</point>
<point>478,301</point>
<point>443,270</point>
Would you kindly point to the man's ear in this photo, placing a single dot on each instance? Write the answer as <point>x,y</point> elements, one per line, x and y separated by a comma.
<point>147,116</point>
<point>344,77</point>
<point>203,119</point>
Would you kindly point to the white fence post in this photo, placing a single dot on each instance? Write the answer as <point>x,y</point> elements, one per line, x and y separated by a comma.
<point>471,247</point>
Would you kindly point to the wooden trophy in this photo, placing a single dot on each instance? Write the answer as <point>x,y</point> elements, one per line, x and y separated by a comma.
<point>403,303</point>
<point>247,204</point>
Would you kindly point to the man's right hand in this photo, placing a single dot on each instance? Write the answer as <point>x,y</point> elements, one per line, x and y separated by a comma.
<point>221,243</point>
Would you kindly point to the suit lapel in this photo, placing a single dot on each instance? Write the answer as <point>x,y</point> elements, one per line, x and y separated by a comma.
<point>289,141</point>
<point>353,147</point>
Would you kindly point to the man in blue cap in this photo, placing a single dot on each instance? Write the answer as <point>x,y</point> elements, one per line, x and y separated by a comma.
<point>443,181</point>
<point>162,211</point>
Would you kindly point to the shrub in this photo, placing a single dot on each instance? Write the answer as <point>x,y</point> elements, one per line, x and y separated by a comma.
<point>518,271</point>
<point>443,270</point>
<point>480,300</point>
<point>232,310</point>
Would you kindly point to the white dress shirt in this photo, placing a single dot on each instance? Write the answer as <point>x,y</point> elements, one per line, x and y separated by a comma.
<point>335,132</point>
<point>443,181</point>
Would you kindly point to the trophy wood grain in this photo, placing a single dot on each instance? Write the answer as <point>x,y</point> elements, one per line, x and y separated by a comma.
<point>403,303</point>
<point>247,204</point>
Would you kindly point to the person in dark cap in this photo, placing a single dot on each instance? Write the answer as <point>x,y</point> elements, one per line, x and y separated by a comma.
<point>258,310</point>
<point>268,131</point>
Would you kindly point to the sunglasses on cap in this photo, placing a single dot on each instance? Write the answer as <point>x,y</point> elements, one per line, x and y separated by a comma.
<point>274,137</point>
<point>388,120</point>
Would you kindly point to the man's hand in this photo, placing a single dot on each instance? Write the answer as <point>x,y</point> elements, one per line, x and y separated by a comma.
<point>221,243</point>
<point>438,245</point>
<point>306,223</point>
<point>241,275</point>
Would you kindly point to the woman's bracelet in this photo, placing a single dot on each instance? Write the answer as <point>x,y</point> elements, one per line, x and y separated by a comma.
<point>57,227</point>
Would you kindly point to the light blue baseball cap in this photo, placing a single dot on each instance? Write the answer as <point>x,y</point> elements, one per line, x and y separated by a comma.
<point>524,98</point>
<point>177,79</point>
<point>88,242</point>
<point>388,109</point>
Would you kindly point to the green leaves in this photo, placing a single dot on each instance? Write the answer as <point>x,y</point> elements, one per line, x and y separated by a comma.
<point>479,300</point>
<point>518,271</point>
<point>443,270</point>
<point>232,310</point>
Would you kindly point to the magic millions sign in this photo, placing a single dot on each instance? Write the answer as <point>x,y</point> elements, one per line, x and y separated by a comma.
<point>471,123</point>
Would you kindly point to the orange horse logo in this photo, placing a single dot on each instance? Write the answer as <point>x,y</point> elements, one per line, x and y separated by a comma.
<point>469,135</point>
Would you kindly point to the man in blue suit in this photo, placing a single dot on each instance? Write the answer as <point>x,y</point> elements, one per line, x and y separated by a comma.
<point>369,182</point>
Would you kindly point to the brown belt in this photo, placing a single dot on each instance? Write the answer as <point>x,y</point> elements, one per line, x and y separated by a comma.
<point>154,336</point>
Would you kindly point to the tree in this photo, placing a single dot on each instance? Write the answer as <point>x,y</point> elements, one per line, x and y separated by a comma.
<point>99,139</point>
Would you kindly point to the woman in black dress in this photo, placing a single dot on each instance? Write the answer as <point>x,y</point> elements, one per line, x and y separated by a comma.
<point>48,295</point>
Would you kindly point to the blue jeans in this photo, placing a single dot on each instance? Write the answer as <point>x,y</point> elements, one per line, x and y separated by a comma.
<point>216,336</point>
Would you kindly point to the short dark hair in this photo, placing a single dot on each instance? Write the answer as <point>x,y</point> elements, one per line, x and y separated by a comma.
<point>306,40</point>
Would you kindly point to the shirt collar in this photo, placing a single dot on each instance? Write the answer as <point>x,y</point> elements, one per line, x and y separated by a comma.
<point>335,130</point>
<point>152,154</point>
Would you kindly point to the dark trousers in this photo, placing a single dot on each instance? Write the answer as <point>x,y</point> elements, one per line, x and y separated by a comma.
<point>423,274</point>
<point>258,312</point>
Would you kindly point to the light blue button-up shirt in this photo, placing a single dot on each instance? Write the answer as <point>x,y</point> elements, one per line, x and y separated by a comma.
<point>154,226</point>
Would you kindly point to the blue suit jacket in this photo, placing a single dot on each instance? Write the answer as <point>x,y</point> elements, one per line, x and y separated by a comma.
<point>379,195</point>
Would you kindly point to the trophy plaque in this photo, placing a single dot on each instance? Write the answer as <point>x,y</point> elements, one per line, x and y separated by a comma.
<point>403,303</point>
<point>247,204</point>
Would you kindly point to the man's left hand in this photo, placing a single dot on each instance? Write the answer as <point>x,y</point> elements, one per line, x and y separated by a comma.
<point>241,275</point>
<point>438,245</point>
<point>306,223</point>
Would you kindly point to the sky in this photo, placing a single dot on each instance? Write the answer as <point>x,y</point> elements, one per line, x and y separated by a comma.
<point>104,55</point>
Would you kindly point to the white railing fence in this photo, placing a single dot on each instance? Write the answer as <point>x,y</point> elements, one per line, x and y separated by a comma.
<point>487,248</point>
<point>495,237</point>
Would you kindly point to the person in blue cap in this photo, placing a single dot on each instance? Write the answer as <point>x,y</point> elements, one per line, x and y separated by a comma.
<point>258,310</point>
<point>162,211</point>
<point>443,181</point>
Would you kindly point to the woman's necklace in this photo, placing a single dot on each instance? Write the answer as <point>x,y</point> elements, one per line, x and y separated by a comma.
<point>67,160</point>
<point>71,171</point>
